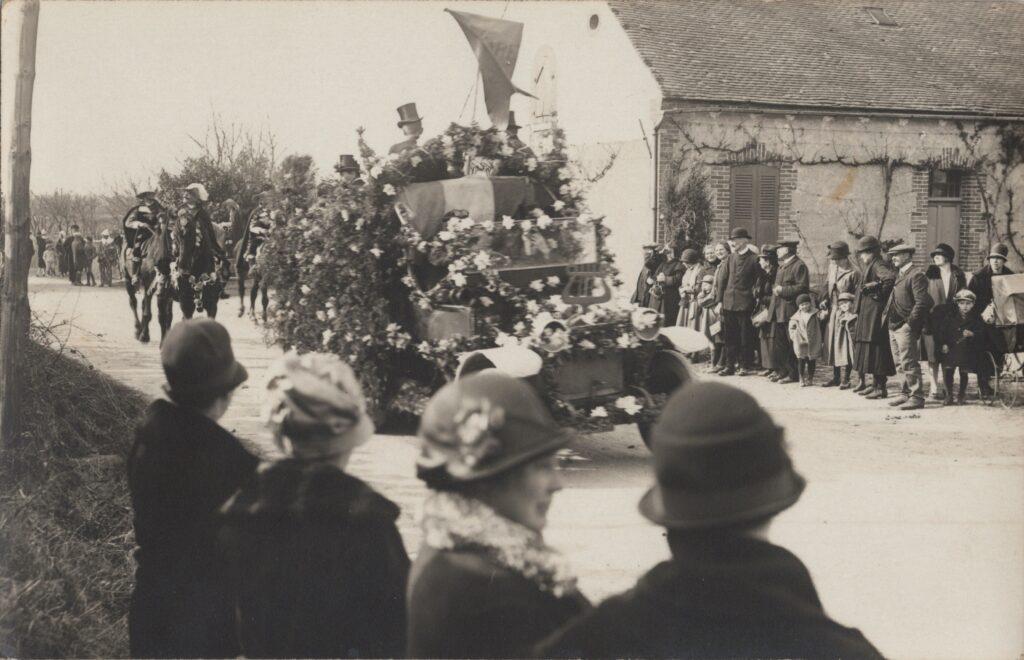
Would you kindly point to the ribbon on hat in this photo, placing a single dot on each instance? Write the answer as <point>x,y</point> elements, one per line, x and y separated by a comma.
<point>468,440</point>
<point>315,406</point>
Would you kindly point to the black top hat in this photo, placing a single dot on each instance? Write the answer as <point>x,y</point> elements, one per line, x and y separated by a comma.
<point>512,120</point>
<point>868,244</point>
<point>407,114</point>
<point>198,361</point>
<point>739,232</point>
<point>945,250</point>
<point>347,163</point>
<point>999,251</point>
<point>720,461</point>
<point>838,250</point>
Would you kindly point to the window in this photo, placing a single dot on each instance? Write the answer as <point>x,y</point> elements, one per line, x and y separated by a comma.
<point>944,184</point>
<point>880,17</point>
<point>754,201</point>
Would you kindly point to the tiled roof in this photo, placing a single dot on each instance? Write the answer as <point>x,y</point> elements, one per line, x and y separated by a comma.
<point>945,56</point>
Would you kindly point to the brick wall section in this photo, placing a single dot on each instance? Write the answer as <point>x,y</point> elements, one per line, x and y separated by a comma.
<point>919,217</point>
<point>973,232</point>
<point>787,184</point>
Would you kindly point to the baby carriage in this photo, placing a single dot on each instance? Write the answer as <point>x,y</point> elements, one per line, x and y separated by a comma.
<point>1005,319</point>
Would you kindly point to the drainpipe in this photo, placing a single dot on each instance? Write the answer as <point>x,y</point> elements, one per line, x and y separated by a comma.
<point>657,174</point>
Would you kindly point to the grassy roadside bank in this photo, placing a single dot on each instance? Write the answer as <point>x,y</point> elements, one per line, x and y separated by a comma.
<point>65,515</point>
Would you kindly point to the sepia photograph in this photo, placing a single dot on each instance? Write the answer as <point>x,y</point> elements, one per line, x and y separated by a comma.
<point>512,329</point>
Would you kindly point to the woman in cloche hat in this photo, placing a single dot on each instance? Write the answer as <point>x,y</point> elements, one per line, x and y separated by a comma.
<point>945,279</point>
<point>485,584</point>
<point>722,473</point>
<point>316,559</point>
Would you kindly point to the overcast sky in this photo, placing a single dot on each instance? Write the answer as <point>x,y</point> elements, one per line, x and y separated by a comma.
<point>121,85</point>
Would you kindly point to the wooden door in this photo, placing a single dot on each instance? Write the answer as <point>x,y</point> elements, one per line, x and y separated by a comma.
<point>754,201</point>
<point>944,224</point>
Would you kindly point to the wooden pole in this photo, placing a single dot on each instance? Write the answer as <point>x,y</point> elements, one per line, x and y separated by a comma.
<point>19,23</point>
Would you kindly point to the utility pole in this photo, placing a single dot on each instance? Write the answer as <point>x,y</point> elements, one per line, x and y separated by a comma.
<point>19,23</point>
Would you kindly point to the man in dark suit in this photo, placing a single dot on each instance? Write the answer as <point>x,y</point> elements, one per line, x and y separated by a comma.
<point>645,280</point>
<point>75,247</point>
<point>422,166</point>
<point>735,287</point>
<point>906,313</point>
<point>871,352</point>
<point>791,280</point>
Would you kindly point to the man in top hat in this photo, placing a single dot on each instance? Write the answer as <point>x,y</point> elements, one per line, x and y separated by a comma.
<point>906,313</point>
<point>182,467</point>
<point>348,169</point>
<point>735,281</point>
<point>791,279</point>
<point>423,166</point>
<point>519,147</point>
<point>722,473</point>
<point>644,281</point>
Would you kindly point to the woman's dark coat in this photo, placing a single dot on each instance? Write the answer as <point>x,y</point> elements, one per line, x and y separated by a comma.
<point>182,468</point>
<point>462,605</point>
<point>981,285</point>
<point>665,295</point>
<point>872,354</point>
<point>794,279</point>
<point>318,564</point>
<point>940,296</point>
<point>721,597</point>
<point>762,299</point>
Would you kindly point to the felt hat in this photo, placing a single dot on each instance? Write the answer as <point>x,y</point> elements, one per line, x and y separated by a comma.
<point>999,251</point>
<point>347,163</point>
<point>803,298</point>
<point>512,120</point>
<point>945,250</point>
<point>846,295</point>
<point>407,114</point>
<point>145,195</point>
<point>739,232</point>
<point>315,406</point>
<point>482,425</point>
<point>869,244</point>
<point>690,256</point>
<point>965,294</point>
<point>198,361</point>
<point>768,250</point>
<point>199,190</point>
<point>838,250</point>
<point>791,244</point>
<point>900,248</point>
<point>719,460</point>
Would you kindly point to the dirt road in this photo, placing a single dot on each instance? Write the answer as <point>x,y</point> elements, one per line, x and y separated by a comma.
<point>912,524</point>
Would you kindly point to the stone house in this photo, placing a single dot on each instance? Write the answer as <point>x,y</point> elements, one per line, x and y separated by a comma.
<point>815,120</point>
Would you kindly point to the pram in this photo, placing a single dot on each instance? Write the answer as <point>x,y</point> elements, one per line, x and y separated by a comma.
<point>1005,319</point>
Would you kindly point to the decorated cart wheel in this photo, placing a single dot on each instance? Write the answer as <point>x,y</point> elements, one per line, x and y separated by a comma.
<point>669,371</point>
<point>1007,381</point>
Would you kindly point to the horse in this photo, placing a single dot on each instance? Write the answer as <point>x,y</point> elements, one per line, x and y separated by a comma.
<point>199,256</point>
<point>151,276</point>
<point>246,254</point>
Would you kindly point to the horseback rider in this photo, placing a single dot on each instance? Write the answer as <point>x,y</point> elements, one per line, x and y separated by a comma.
<point>197,241</point>
<point>144,222</point>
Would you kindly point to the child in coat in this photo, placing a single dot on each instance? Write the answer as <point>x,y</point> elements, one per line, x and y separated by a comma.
<point>959,342</point>
<point>842,349</point>
<point>805,333</point>
<point>708,321</point>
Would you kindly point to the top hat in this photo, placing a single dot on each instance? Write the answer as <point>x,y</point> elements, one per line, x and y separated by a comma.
<point>482,425</point>
<point>347,163</point>
<point>719,460</point>
<point>512,120</point>
<point>407,114</point>
<point>739,232</point>
<point>838,250</point>
<point>900,248</point>
<point>868,244</point>
<point>945,250</point>
<point>198,361</point>
<point>999,251</point>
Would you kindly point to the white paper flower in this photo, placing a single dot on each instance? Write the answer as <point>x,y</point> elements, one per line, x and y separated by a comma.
<point>458,279</point>
<point>485,301</point>
<point>317,260</point>
<point>305,289</point>
<point>488,225</point>
<point>537,285</point>
<point>531,164</point>
<point>321,315</point>
<point>532,307</point>
<point>445,235</point>
<point>628,404</point>
<point>376,252</point>
<point>553,280</point>
<point>376,171</point>
<point>456,266</point>
<point>482,260</point>
<point>599,412</point>
<point>564,173</point>
<point>586,344</point>
<point>467,223</point>
<point>558,303</point>
<point>544,221</point>
<point>332,313</point>
<point>558,205</point>
<point>624,341</point>
<point>389,189</point>
<point>327,336</point>
<point>519,327</point>
<point>422,246</point>
<point>526,226</point>
<point>415,160</point>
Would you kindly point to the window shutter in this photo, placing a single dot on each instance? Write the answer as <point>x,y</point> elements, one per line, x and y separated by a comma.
<point>767,219</point>
<point>741,207</point>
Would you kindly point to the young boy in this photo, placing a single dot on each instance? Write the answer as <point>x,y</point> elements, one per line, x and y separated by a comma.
<point>805,333</point>
<point>958,341</point>
<point>843,348</point>
<point>181,469</point>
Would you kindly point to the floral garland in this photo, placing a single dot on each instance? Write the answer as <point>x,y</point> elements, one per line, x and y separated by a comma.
<point>453,522</point>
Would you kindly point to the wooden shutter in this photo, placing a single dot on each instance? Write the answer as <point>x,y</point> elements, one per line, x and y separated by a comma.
<point>754,201</point>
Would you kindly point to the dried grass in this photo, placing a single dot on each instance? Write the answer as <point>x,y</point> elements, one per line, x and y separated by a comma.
<point>66,571</point>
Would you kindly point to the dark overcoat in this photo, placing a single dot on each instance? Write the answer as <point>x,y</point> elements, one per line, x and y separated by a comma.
<point>981,285</point>
<point>960,350</point>
<point>909,302</point>
<point>794,279</point>
<point>197,242</point>
<point>318,565</point>
<point>879,278</point>
<point>181,469</point>
<point>730,597</point>
<point>642,293</point>
<point>665,295</point>
<point>463,605</point>
<point>735,281</point>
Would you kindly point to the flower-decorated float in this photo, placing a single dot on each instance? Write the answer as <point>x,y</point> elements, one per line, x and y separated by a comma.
<point>462,254</point>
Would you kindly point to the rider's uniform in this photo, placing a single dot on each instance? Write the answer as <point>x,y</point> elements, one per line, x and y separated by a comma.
<point>197,243</point>
<point>144,223</point>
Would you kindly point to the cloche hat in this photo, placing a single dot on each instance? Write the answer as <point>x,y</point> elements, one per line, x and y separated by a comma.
<point>719,460</point>
<point>482,425</point>
<point>690,256</point>
<point>945,250</point>
<point>838,250</point>
<point>999,251</point>
<point>868,244</point>
<point>198,361</point>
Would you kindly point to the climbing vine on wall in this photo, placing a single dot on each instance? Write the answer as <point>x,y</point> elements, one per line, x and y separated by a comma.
<point>686,213</point>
